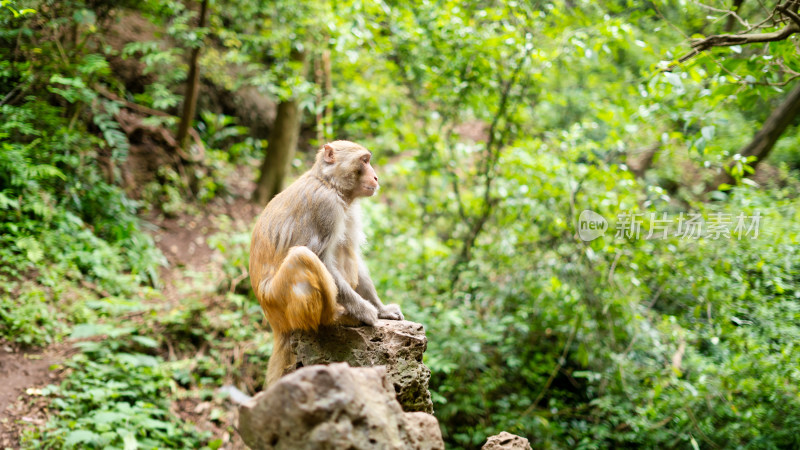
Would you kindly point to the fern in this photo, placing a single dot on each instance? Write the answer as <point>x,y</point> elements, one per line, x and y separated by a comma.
<point>94,64</point>
<point>116,140</point>
<point>8,202</point>
<point>31,248</point>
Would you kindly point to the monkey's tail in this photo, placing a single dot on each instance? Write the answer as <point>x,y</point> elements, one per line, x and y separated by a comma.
<point>282,358</point>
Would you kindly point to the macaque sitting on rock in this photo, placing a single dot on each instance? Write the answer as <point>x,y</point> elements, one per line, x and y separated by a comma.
<point>305,260</point>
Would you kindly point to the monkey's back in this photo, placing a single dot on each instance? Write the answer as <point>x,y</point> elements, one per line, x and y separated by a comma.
<point>305,213</point>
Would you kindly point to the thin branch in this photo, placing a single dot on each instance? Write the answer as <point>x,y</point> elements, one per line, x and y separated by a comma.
<point>613,268</point>
<point>697,427</point>
<point>763,7</point>
<point>785,82</point>
<point>11,95</point>
<point>655,297</point>
<point>130,105</point>
<point>727,40</point>
<point>727,13</point>
<point>464,73</point>
<point>559,365</point>
<point>788,12</point>
<point>164,134</point>
<point>493,147</point>
<point>235,282</point>
<point>741,80</point>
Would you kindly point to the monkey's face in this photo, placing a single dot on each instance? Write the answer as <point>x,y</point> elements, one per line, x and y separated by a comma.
<point>367,178</point>
<point>348,167</point>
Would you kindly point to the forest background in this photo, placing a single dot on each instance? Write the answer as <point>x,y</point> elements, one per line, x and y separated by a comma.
<point>139,140</point>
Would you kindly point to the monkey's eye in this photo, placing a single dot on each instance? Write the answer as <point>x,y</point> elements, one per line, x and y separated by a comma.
<point>365,159</point>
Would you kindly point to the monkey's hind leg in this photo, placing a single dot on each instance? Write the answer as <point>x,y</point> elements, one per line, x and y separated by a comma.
<point>305,291</point>
<point>303,297</point>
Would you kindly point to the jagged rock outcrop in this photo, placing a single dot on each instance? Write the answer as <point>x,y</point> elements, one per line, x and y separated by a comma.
<point>506,441</point>
<point>334,407</point>
<point>398,345</point>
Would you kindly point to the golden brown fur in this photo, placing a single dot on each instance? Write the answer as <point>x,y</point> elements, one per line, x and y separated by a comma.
<point>305,261</point>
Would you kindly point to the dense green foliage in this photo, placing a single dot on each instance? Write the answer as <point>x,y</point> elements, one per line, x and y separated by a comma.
<point>60,217</point>
<point>116,397</point>
<point>494,126</point>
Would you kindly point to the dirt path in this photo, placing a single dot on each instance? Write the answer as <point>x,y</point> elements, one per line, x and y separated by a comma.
<point>22,375</point>
<point>184,239</point>
<point>184,242</point>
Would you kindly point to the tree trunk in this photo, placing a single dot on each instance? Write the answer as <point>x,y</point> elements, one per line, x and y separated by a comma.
<point>280,151</point>
<point>322,74</point>
<point>765,139</point>
<point>640,162</point>
<point>192,84</point>
<point>735,7</point>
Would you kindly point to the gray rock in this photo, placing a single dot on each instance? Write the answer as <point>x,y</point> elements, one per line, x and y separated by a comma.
<point>506,441</point>
<point>423,431</point>
<point>396,344</point>
<point>334,407</point>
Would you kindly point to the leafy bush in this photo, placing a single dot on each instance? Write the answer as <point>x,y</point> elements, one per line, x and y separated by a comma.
<point>115,396</point>
<point>61,215</point>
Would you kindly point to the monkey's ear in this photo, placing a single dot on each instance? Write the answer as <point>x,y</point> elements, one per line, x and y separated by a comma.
<point>328,155</point>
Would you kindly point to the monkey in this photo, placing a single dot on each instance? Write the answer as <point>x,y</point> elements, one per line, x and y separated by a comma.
<point>306,266</point>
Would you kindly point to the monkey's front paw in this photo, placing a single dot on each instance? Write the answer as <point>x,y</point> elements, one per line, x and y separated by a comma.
<point>391,312</point>
<point>366,313</point>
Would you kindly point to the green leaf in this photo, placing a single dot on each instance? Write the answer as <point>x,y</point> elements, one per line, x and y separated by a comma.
<point>108,417</point>
<point>80,437</point>
<point>33,250</point>
<point>674,79</point>
<point>84,17</point>
<point>120,331</point>
<point>145,341</point>
<point>8,202</point>
<point>128,440</point>
<point>86,330</point>
<point>138,359</point>
<point>708,133</point>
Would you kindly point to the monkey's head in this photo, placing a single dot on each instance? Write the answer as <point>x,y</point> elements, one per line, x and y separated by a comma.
<point>347,166</point>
